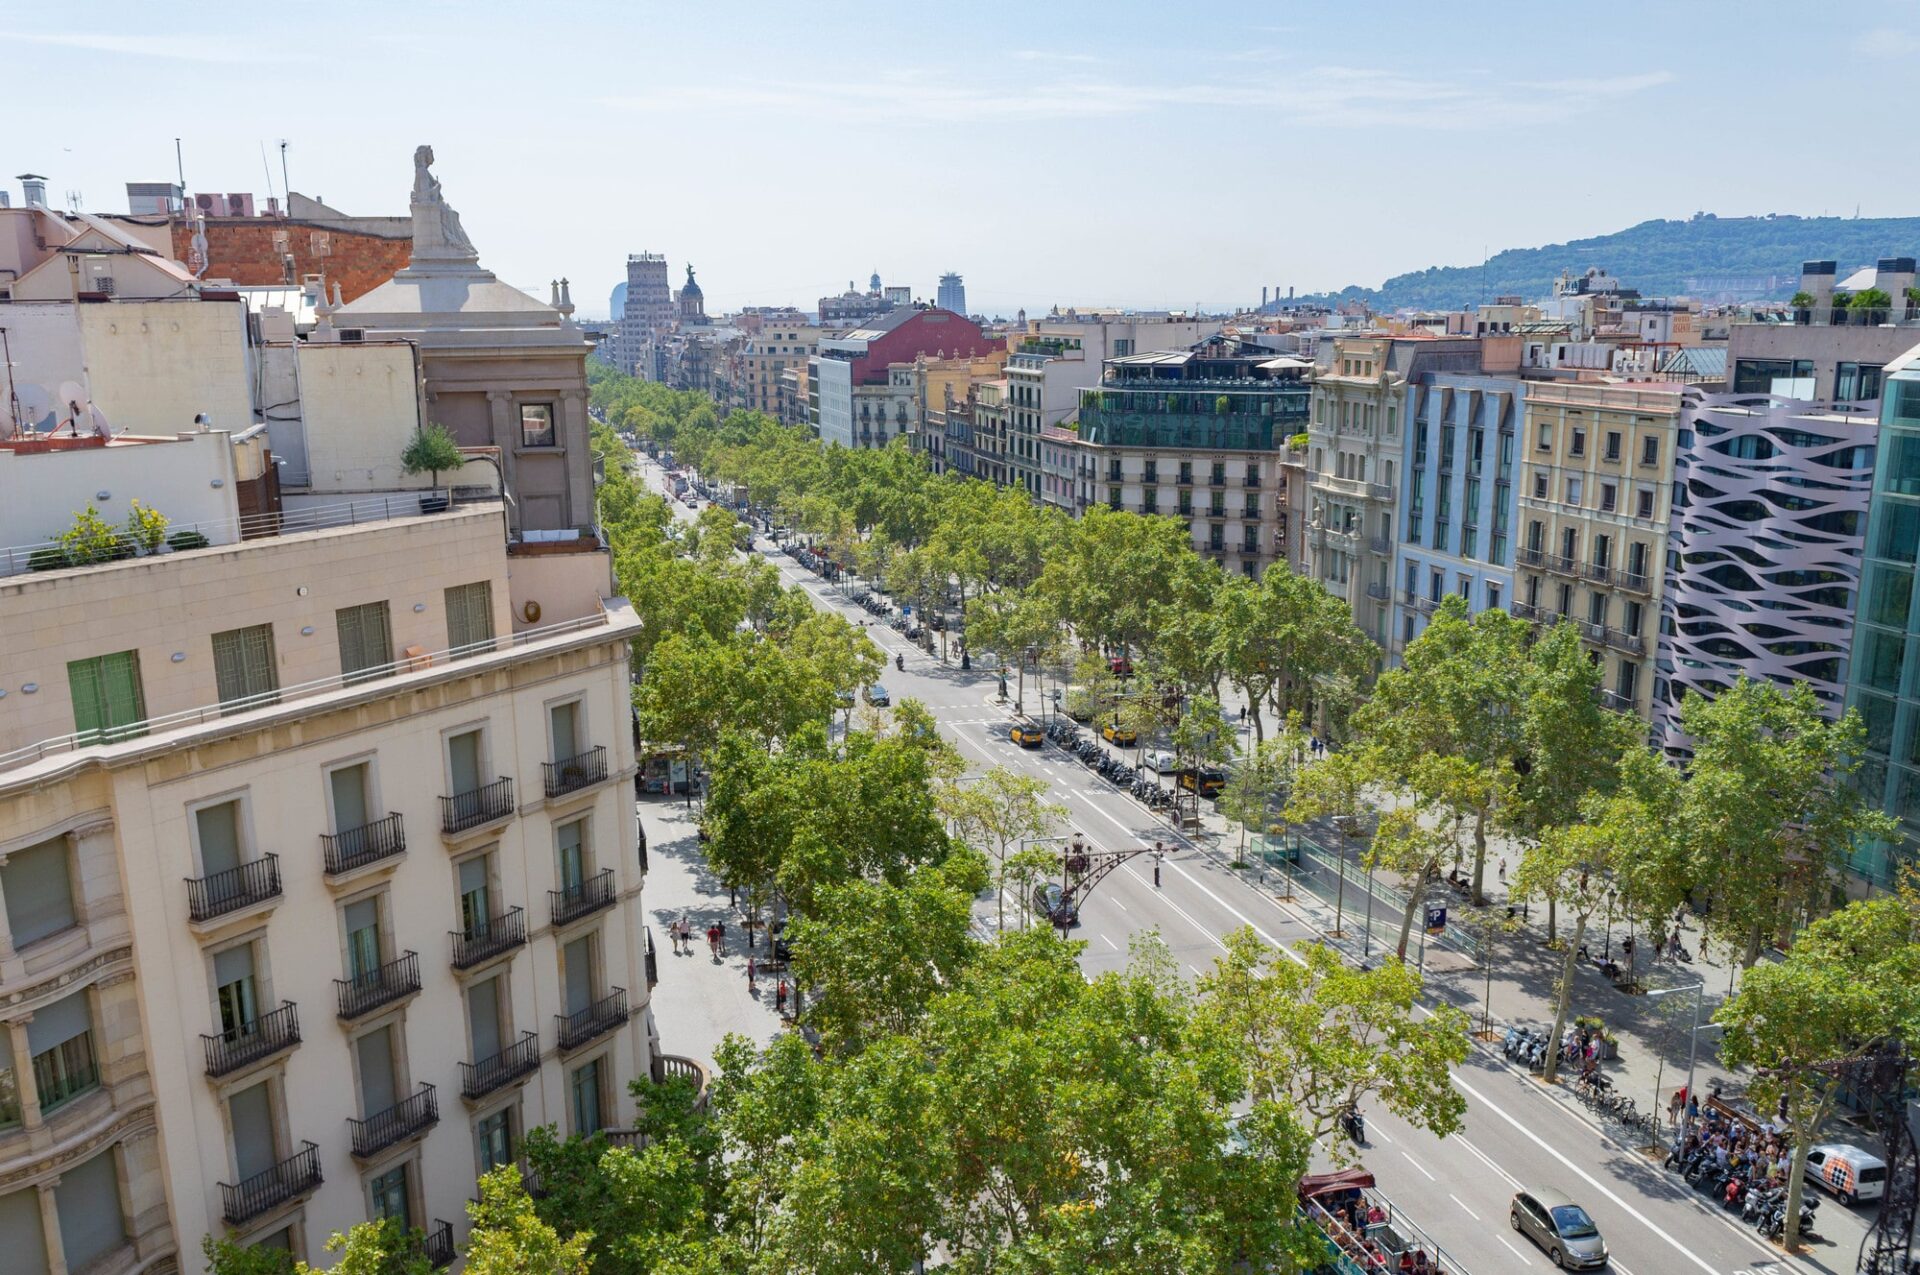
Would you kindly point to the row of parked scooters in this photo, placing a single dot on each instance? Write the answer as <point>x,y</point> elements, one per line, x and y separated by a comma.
<point>1108,766</point>
<point>1762,1207</point>
<point>818,563</point>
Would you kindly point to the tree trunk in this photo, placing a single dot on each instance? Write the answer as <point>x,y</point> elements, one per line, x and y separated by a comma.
<point>1414,898</point>
<point>1796,1187</point>
<point>1553,918</point>
<point>1479,857</point>
<point>1565,995</point>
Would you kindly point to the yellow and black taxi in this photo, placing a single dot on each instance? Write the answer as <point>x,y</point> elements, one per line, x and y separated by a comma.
<point>1206,781</point>
<point>1119,736</point>
<point>1027,735</point>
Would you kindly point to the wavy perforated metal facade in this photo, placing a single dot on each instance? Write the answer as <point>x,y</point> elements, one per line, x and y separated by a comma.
<point>1769,517</point>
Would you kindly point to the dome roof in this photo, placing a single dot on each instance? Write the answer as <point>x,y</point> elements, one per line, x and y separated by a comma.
<point>692,289</point>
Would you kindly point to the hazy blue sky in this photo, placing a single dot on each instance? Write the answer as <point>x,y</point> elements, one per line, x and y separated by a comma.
<point>1099,153</point>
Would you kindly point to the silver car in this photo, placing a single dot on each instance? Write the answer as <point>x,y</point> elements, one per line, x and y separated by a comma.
<point>1561,1227</point>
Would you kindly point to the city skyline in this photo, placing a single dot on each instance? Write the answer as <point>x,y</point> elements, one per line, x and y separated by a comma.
<point>783,158</point>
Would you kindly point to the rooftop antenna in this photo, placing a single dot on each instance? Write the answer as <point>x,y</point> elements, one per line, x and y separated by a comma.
<point>180,164</point>
<point>266,168</point>
<point>284,187</point>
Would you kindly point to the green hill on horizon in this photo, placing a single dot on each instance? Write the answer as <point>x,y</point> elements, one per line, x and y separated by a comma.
<point>1746,257</point>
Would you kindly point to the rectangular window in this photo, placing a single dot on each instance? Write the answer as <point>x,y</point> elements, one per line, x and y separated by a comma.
<point>88,1202</point>
<point>585,1094</point>
<point>387,1195</point>
<point>536,425</point>
<point>1217,508</point>
<point>1613,444</point>
<point>107,701</point>
<point>362,921</point>
<point>1186,471</point>
<point>1790,378</point>
<point>1573,490</point>
<point>20,1235</point>
<point>1219,474</point>
<point>243,667</point>
<point>563,721</point>
<point>379,1086</point>
<point>485,1013</point>
<point>569,845</point>
<point>1498,555</point>
<point>463,761</point>
<point>493,1140</point>
<point>352,804</point>
<point>1646,502</point>
<point>1546,437</point>
<point>476,896</point>
<point>1113,498</point>
<point>1152,474</point>
<point>576,958</point>
<point>1650,450</point>
<point>235,991</point>
<point>1150,502</point>
<point>470,618</point>
<point>1597,609</point>
<point>38,883</point>
<point>1609,494</point>
<point>366,641</point>
<point>1577,444</point>
<point>1853,382</point>
<point>60,1038</point>
<point>1631,626</point>
<point>1539,484</point>
<point>1493,596</point>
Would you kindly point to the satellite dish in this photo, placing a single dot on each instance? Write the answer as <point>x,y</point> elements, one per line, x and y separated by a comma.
<point>100,426</point>
<point>71,407</point>
<point>36,406</point>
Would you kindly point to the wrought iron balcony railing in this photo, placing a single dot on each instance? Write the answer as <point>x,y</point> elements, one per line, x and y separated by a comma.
<point>582,898</point>
<point>522,1058</point>
<point>294,1176</point>
<point>249,1042</point>
<point>487,939</point>
<point>481,805</point>
<point>369,843</point>
<point>571,774</point>
<point>382,985</point>
<point>219,893</point>
<point>404,1119</point>
<point>595,1021</point>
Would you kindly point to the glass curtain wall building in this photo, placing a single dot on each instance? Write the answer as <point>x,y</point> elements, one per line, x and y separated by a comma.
<point>1884,684</point>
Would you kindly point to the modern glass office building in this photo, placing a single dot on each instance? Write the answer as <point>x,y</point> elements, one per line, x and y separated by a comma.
<point>1884,680</point>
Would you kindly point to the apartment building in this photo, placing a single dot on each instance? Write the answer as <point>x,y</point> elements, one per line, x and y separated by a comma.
<point>320,886</point>
<point>1045,375</point>
<point>1881,685</point>
<point>1460,499</point>
<point>1198,435</point>
<point>1828,352</point>
<point>861,384</point>
<point>762,359</point>
<point>1595,496</point>
<point>1362,388</point>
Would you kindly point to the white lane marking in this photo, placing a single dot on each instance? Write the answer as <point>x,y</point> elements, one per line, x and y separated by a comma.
<point>1621,1269</point>
<point>1416,1164</point>
<point>1463,1206</point>
<point>1586,1177</point>
<point>1383,1135</point>
<point>1516,1252</point>
<point>1123,907</point>
<point>1179,911</point>
<point>1196,973</point>
<point>1487,1160</point>
<point>1110,943</point>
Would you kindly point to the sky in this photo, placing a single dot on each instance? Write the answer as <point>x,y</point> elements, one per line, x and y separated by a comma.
<point>1113,153</point>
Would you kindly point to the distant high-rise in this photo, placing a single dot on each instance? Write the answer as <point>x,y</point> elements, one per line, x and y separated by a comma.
<point>648,309</point>
<point>953,293</point>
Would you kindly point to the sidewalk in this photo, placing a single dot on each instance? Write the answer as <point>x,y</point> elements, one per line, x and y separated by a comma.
<point>699,1001</point>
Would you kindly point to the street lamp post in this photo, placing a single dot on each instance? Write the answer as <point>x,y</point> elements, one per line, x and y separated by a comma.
<point>1699,991</point>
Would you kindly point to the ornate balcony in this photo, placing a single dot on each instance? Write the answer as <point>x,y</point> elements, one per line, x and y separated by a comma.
<point>595,1021</point>
<point>248,1043</point>
<point>438,1245</point>
<point>358,847</point>
<point>522,1058</point>
<point>367,992</point>
<point>219,893</point>
<point>407,1118</point>
<point>572,902</point>
<point>570,774</point>
<point>489,938</point>
<point>479,806</point>
<point>294,1176</point>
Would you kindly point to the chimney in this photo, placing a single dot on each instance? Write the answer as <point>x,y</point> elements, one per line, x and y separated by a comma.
<point>34,187</point>
<point>1289,294</point>
<point>1816,279</point>
<point>1893,276</point>
<point>1263,296</point>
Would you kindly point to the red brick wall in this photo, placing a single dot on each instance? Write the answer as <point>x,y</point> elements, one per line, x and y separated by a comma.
<point>242,249</point>
<point>931,332</point>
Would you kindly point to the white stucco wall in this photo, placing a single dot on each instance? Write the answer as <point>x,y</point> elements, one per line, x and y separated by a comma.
<point>40,493</point>
<point>153,365</point>
<point>359,406</point>
<point>43,340</point>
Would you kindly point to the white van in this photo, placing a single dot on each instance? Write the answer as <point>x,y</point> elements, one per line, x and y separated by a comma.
<point>1850,1173</point>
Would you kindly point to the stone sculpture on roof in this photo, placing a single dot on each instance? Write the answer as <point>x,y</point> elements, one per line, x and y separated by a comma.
<point>437,233</point>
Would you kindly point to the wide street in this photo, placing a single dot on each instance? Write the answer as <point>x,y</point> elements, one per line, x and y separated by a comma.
<point>1456,1189</point>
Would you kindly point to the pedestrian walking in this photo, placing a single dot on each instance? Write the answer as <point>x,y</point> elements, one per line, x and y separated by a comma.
<point>752,972</point>
<point>1503,872</point>
<point>1676,1106</point>
<point>713,940</point>
<point>780,997</point>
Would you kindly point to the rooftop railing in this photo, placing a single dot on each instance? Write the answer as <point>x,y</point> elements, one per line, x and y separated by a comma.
<point>224,533</point>
<point>227,710</point>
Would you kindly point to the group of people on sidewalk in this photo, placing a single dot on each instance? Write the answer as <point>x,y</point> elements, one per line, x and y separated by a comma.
<point>680,934</point>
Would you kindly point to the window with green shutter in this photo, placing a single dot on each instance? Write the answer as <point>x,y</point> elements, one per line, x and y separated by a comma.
<point>243,668</point>
<point>107,703</point>
<point>366,642</point>
<point>470,618</point>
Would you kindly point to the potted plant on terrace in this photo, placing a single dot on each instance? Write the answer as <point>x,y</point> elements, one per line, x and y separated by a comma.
<point>1802,306</point>
<point>147,528</point>
<point>429,452</point>
<point>1913,301</point>
<point>1870,307</point>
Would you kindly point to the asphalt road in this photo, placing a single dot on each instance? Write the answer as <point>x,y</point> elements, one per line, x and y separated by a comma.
<point>1456,1189</point>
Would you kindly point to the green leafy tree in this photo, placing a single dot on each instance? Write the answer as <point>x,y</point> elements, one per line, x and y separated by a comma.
<point>1851,982</point>
<point>432,451</point>
<point>997,811</point>
<point>508,1237</point>
<point>381,1247</point>
<point>1767,810</point>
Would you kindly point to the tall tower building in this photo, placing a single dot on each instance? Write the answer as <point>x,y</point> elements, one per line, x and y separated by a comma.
<point>649,307</point>
<point>953,293</point>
